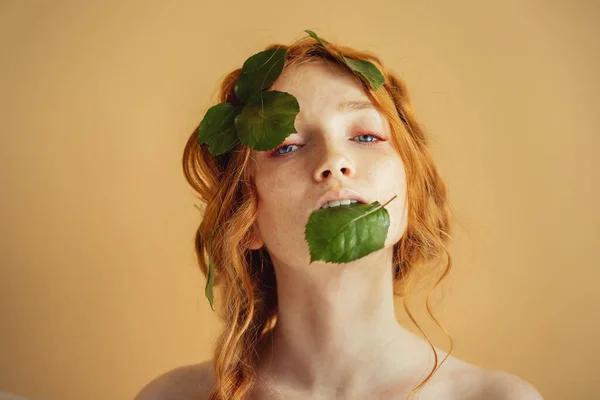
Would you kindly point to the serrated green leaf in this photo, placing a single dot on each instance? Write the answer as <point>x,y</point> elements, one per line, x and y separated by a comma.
<point>259,72</point>
<point>217,128</point>
<point>317,38</point>
<point>210,277</point>
<point>267,119</point>
<point>366,69</point>
<point>346,233</point>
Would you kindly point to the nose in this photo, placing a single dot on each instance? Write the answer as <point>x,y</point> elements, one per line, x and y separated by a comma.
<point>334,166</point>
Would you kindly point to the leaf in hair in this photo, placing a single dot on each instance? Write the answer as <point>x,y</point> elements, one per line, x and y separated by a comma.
<point>217,128</point>
<point>267,119</point>
<point>366,69</point>
<point>210,276</point>
<point>314,36</point>
<point>258,73</point>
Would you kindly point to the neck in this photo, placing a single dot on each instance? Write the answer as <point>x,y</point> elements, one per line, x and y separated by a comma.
<point>336,327</point>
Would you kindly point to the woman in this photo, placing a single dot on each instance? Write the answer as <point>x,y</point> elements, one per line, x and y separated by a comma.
<point>301,327</point>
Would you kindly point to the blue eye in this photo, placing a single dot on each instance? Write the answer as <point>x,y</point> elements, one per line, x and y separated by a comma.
<point>367,134</point>
<point>277,152</point>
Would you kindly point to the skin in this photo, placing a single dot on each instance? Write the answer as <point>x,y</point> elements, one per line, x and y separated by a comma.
<point>337,336</point>
<point>337,332</point>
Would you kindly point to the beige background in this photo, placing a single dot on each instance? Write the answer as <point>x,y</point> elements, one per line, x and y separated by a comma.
<point>99,291</point>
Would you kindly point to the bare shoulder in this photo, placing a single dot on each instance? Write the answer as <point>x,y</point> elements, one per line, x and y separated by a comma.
<point>183,383</point>
<point>501,385</point>
<point>477,383</point>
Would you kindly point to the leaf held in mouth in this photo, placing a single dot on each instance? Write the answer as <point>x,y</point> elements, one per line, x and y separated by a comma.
<point>347,233</point>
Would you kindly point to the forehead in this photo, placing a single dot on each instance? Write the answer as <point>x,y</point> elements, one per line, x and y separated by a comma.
<point>324,91</point>
<point>319,85</point>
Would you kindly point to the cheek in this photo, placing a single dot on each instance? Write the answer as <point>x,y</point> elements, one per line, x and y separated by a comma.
<point>281,203</point>
<point>387,174</point>
<point>394,184</point>
<point>277,186</point>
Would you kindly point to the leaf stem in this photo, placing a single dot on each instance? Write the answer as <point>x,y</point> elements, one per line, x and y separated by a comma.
<point>388,202</point>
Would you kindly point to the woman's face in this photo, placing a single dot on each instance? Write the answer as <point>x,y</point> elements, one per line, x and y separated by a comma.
<point>332,149</point>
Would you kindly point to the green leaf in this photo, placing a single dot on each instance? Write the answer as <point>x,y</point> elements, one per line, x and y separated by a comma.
<point>314,36</point>
<point>267,119</point>
<point>259,72</point>
<point>366,69</point>
<point>217,128</point>
<point>346,233</point>
<point>210,277</point>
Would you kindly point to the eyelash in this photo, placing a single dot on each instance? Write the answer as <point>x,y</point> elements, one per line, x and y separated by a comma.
<point>274,154</point>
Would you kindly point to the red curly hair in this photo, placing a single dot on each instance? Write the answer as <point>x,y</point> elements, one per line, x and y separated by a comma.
<point>248,304</point>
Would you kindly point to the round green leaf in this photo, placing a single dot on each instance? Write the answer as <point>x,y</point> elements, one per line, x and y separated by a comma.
<point>267,119</point>
<point>259,72</point>
<point>346,233</point>
<point>217,128</point>
<point>366,69</point>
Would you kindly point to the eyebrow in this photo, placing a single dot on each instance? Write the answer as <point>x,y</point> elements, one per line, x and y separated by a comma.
<point>352,105</point>
<point>355,105</point>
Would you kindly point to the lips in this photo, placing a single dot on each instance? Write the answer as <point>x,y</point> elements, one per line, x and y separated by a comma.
<point>340,194</point>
